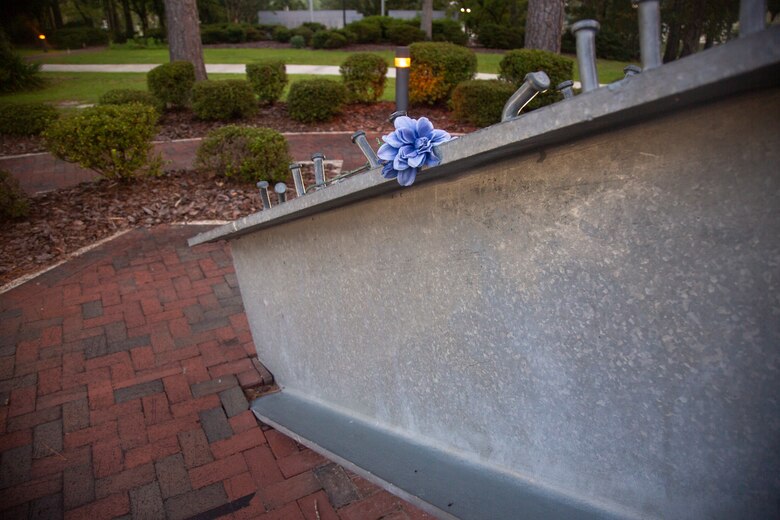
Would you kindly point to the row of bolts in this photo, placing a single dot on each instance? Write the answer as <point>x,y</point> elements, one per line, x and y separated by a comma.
<point>751,20</point>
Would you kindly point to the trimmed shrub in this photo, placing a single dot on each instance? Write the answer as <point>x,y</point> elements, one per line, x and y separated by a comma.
<point>113,140</point>
<point>268,79</point>
<point>172,83</point>
<point>328,40</point>
<point>401,33</point>
<point>364,76</point>
<point>15,73</point>
<point>494,36</point>
<point>78,37</point>
<point>26,118</point>
<point>304,32</point>
<point>297,42</point>
<point>516,64</point>
<point>365,30</point>
<point>281,34</point>
<point>315,99</point>
<point>123,96</point>
<point>247,153</point>
<point>13,201</point>
<point>314,26</point>
<point>480,102</point>
<point>436,69</point>
<point>158,33</point>
<point>446,30</point>
<point>223,100</point>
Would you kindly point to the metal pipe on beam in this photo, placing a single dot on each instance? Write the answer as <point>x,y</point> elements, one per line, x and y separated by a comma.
<point>565,88</point>
<point>534,83</point>
<point>319,169</point>
<point>650,33</point>
<point>752,16</point>
<point>300,189</point>
<point>280,189</point>
<point>585,35</point>
<point>263,186</point>
<point>359,138</point>
<point>631,70</point>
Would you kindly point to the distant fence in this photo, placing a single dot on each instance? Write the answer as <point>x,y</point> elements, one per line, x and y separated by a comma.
<point>333,19</point>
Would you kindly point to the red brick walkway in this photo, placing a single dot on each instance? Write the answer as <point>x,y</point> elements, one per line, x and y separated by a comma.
<point>121,381</point>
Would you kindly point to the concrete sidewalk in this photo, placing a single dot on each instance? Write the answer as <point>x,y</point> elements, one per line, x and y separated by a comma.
<point>215,68</point>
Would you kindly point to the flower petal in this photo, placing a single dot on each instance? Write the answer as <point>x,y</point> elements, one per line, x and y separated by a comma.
<point>388,172</point>
<point>416,161</point>
<point>393,140</point>
<point>404,122</point>
<point>407,135</point>
<point>406,177</point>
<point>387,152</point>
<point>432,160</point>
<point>424,127</point>
<point>440,136</point>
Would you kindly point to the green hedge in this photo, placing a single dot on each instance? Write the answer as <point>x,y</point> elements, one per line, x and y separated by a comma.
<point>26,118</point>
<point>123,96</point>
<point>364,76</point>
<point>480,102</point>
<point>113,140</point>
<point>15,73</point>
<point>268,79</point>
<point>516,64</point>
<point>316,99</point>
<point>247,153</point>
<point>171,83</point>
<point>14,203</point>
<point>401,33</point>
<point>446,30</point>
<point>78,37</point>
<point>223,100</point>
<point>494,36</point>
<point>329,40</point>
<point>297,42</point>
<point>436,69</point>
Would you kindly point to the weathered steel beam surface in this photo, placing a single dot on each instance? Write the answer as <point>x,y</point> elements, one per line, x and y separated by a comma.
<point>576,314</point>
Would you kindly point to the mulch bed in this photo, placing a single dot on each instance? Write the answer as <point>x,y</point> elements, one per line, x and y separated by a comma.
<point>63,221</point>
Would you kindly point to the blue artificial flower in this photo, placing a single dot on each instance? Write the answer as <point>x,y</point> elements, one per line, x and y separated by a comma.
<point>409,148</point>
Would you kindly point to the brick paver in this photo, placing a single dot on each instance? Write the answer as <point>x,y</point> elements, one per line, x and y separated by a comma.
<point>117,400</point>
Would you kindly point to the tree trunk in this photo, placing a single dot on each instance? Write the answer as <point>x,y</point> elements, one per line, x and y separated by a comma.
<point>129,30</point>
<point>140,10</point>
<point>672,50</point>
<point>427,19</point>
<point>181,19</point>
<point>544,25</point>
<point>56,13</point>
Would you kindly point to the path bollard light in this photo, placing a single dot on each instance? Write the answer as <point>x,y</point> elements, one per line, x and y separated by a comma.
<point>281,192</point>
<point>752,16</point>
<point>585,33</point>
<point>565,88</point>
<point>650,33</point>
<point>359,138</point>
<point>631,70</point>
<point>402,63</point>
<point>300,189</point>
<point>534,83</point>
<point>319,169</point>
<point>263,186</point>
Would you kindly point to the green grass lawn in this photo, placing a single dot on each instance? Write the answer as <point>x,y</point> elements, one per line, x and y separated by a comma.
<point>76,88</point>
<point>486,62</point>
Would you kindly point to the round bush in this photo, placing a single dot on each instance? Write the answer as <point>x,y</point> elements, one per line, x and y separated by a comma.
<point>297,42</point>
<point>315,99</point>
<point>306,33</point>
<point>365,31</point>
<point>516,64</point>
<point>123,96</point>
<point>281,34</point>
<point>171,83</point>
<point>268,79</point>
<point>494,36</point>
<point>364,76</point>
<point>13,201</point>
<point>401,33</point>
<point>26,118</point>
<point>113,140</point>
<point>446,30</point>
<point>436,69</point>
<point>480,102</point>
<point>223,100</point>
<point>250,154</point>
<point>328,40</point>
<point>15,73</point>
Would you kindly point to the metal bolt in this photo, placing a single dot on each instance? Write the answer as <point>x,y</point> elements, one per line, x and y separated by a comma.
<point>281,192</point>
<point>631,70</point>
<point>395,115</point>
<point>585,34</point>
<point>534,83</point>
<point>319,168</point>
<point>650,33</point>
<point>752,16</point>
<point>359,138</point>
<point>565,88</point>
<point>263,185</point>
<point>300,189</point>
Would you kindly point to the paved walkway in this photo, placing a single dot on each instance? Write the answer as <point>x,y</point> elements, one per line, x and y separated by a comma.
<point>123,380</point>
<point>320,70</point>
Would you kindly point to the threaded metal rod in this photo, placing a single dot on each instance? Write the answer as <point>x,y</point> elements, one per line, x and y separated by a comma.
<point>300,189</point>
<point>281,192</point>
<point>752,16</point>
<point>534,83</point>
<point>359,138</point>
<point>631,70</point>
<point>565,88</point>
<point>650,33</point>
<point>585,35</point>
<point>263,185</point>
<point>319,168</point>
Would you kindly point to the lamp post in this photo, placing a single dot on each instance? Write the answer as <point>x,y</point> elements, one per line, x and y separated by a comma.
<point>402,63</point>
